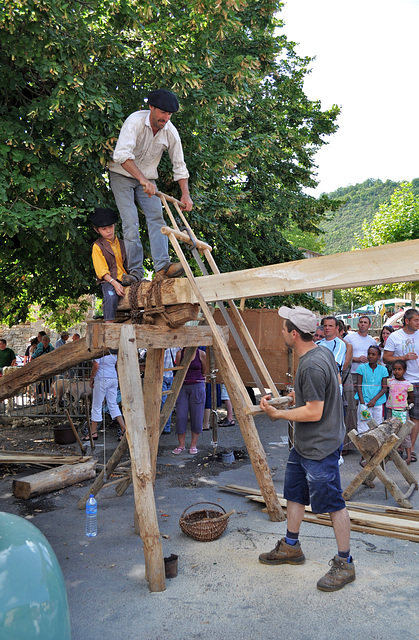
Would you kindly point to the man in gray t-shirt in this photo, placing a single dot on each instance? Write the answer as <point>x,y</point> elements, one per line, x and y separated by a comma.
<point>312,474</point>
<point>317,380</point>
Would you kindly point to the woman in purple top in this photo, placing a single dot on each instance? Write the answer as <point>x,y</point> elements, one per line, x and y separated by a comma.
<point>191,399</point>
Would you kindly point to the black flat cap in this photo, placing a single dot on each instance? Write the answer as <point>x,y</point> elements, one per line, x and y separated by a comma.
<point>103,217</point>
<point>164,100</point>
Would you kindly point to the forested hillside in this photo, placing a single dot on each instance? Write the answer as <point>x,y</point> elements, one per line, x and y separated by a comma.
<point>361,202</point>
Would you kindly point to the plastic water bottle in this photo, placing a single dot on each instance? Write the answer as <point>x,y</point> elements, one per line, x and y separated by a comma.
<point>91,517</point>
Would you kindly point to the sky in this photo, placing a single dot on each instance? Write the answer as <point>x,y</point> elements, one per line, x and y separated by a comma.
<point>367,62</point>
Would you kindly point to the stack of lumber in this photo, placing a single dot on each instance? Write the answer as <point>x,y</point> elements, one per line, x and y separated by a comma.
<point>393,522</point>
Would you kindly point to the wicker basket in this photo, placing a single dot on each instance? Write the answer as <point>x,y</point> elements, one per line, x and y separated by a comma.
<point>206,524</point>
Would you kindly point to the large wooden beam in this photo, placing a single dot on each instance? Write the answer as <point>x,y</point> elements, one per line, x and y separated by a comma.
<point>385,264</point>
<point>48,365</point>
<point>151,337</point>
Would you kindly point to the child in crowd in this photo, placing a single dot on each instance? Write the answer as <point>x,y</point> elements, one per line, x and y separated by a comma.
<point>109,261</point>
<point>400,395</point>
<point>372,386</point>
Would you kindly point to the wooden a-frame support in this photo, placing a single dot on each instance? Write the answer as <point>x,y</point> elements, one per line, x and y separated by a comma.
<point>144,422</point>
<point>372,467</point>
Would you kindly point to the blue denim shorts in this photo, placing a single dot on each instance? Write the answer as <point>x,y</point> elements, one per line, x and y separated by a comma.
<point>315,482</point>
<point>110,301</point>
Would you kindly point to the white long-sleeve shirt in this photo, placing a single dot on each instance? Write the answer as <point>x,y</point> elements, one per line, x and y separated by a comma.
<point>137,142</point>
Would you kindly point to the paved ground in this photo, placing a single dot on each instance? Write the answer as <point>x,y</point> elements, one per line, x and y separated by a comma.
<point>221,589</point>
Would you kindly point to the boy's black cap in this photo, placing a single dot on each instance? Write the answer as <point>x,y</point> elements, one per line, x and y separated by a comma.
<point>164,100</point>
<point>103,217</point>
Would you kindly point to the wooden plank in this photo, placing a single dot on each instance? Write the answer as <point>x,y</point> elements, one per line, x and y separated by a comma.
<point>366,267</point>
<point>33,457</point>
<point>325,520</point>
<point>149,336</point>
<point>48,365</point>
<point>53,479</point>
<point>394,512</point>
<point>142,475</point>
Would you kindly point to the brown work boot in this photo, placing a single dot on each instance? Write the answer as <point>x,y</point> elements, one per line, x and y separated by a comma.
<point>283,554</point>
<point>341,572</point>
<point>172,270</point>
<point>127,279</point>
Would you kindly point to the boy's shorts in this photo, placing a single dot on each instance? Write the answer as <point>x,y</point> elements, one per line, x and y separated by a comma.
<point>315,482</point>
<point>110,301</point>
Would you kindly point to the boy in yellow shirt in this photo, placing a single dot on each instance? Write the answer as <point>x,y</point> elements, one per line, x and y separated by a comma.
<point>109,260</point>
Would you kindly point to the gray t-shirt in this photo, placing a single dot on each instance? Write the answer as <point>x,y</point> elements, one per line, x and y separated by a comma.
<point>317,379</point>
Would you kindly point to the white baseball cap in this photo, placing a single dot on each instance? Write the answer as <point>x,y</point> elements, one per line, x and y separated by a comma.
<point>303,319</point>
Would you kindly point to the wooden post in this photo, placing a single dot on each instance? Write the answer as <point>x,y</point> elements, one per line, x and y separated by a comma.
<point>239,397</point>
<point>188,356</point>
<point>250,435</point>
<point>107,470</point>
<point>142,475</point>
<point>152,390</point>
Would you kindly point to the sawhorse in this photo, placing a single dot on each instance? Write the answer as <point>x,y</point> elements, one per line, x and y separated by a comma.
<point>372,467</point>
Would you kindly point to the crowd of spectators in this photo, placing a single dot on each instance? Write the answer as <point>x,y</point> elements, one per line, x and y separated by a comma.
<point>379,377</point>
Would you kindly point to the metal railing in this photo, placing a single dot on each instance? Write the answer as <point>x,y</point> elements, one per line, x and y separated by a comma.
<point>50,398</point>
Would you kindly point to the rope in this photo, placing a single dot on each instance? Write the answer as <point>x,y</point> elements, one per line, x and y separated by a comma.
<point>133,303</point>
<point>150,310</point>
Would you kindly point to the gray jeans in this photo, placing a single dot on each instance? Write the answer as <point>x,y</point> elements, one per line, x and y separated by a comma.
<point>126,191</point>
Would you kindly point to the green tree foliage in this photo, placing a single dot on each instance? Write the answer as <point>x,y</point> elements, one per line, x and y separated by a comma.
<point>72,70</point>
<point>360,202</point>
<point>395,221</point>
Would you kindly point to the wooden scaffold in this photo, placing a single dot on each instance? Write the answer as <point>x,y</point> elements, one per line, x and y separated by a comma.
<point>165,305</point>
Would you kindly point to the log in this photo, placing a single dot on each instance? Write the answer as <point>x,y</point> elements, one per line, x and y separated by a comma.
<point>49,365</point>
<point>365,267</point>
<point>177,315</point>
<point>373,440</point>
<point>53,479</point>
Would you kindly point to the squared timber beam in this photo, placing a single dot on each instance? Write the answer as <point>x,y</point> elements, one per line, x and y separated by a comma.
<point>377,265</point>
<point>106,335</point>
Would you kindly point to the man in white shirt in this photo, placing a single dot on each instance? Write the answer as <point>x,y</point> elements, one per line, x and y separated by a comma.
<point>143,138</point>
<point>404,345</point>
<point>332,341</point>
<point>360,341</point>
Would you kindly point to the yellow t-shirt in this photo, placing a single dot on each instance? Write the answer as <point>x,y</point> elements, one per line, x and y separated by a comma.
<point>99,261</point>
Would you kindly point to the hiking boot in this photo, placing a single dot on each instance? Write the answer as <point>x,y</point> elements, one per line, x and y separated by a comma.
<point>171,270</point>
<point>127,279</point>
<point>283,554</point>
<point>341,572</point>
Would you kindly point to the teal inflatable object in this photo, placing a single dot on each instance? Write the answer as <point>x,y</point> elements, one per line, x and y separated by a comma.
<point>33,599</point>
